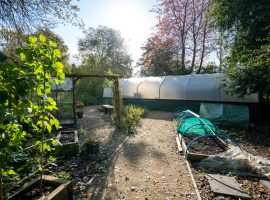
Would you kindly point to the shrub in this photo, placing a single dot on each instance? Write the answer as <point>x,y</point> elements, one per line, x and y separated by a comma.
<point>132,117</point>
<point>89,146</point>
<point>79,104</point>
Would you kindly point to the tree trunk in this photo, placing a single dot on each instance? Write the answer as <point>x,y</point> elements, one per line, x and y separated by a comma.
<point>183,39</point>
<point>203,48</point>
<point>194,54</point>
<point>183,56</point>
<point>1,186</point>
<point>220,52</point>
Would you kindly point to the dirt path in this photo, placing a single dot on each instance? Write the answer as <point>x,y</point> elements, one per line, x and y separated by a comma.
<point>144,166</point>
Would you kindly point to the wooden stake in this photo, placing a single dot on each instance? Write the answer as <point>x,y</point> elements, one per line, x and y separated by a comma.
<point>178,145</point>
<point>74,101</point>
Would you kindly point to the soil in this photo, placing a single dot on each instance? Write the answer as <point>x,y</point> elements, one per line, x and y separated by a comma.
<point>208,146</point>
<point>256,140</point>
<point>251,185</point>
<point>67,138</point>
<point>38,193</point>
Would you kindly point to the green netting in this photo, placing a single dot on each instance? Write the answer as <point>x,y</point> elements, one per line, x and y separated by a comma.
<point>194,125</point>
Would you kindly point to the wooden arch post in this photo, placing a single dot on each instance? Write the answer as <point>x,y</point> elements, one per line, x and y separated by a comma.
<point>117,98</point>
<point>117,93</point>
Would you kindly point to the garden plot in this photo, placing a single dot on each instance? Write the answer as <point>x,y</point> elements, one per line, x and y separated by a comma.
<point>217,154</point>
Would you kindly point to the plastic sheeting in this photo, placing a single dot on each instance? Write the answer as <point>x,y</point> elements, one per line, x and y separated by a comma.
<point>236,160</point>
<point>226,114</point>
<point>194,87</point>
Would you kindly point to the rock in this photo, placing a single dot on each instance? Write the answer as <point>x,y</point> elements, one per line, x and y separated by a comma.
<point>133,189</point>
<point>81,183</point>
<point>82,188</point>
<point>155,182</point>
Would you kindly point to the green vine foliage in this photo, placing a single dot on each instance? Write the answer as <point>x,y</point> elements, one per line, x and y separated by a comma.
<point>25,105</point>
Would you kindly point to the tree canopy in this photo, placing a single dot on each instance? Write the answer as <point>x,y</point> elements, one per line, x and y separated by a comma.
<point>182,35</point>
<point>246,24</point>
<point>103,51</point>
<point>28,15</point>
<point>15,39</point>
<point>105,48</point>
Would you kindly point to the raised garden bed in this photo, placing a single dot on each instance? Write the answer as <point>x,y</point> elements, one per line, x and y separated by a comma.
<point>53,189</point>
<point>201,148</point>
<point>208,146</point>
<point>67,143</point>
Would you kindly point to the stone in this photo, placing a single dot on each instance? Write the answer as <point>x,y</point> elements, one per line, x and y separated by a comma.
<point>133,189</point>
<point>82,188</point>
<point>225,185</point>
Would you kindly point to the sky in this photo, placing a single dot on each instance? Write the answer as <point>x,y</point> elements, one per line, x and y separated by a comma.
<point>131,17</point>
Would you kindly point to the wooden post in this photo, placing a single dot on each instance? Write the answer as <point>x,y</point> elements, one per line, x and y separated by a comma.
<point>74,101</point>
<point>117,100</point>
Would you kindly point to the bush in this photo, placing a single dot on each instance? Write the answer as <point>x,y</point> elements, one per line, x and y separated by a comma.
<point>132,116</point>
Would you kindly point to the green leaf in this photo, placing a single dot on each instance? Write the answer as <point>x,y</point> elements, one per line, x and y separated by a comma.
<point>52,44</point>
<point>49,128</point>
<point>32,39</point>
<point>10,172</point>
<point>22,56</point>
<point>57,53</point>
<point>42,38</point>
<point>59,65</point>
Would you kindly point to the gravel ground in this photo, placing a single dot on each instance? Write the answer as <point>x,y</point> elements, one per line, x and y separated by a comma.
<point>143,166</point>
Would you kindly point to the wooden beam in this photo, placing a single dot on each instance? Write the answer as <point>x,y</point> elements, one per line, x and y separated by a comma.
<point>94,76</point>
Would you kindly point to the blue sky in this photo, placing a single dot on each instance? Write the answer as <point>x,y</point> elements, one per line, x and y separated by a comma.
<point>131,17</point>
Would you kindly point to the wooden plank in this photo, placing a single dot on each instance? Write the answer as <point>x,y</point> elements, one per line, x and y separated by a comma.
<point>226,185</point>
<point>178,145</point>
<point>193,181</point>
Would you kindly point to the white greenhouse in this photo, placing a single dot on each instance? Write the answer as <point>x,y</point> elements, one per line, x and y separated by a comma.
<point>194,87</point>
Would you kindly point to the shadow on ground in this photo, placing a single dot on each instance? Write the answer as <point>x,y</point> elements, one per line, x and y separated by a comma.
<point>167,116</point>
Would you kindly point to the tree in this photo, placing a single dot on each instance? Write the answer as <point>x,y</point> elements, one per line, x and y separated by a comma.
<point>102,49</point>
<point>10,43</point>
<point>158,58</point>
<point>27,73</point>
<point>185,25</point>
<point>246,25</point>
<point>105,47</point>
<point>27,15</point>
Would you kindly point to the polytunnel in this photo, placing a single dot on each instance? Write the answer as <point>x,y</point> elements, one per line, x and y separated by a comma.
<point>194,87</point>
